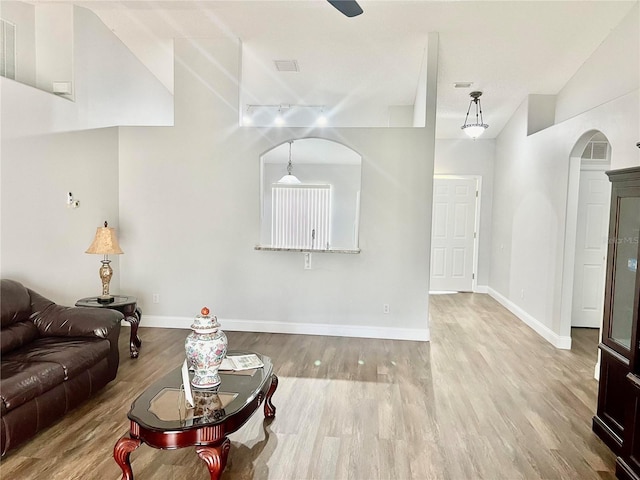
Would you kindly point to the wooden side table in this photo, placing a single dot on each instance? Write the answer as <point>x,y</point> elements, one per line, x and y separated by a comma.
<point>129,308</point>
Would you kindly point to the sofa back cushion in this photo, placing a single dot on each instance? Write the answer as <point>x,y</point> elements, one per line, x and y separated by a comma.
<point>17,335</point>
<point>15,311</point>
<point>15,303</point>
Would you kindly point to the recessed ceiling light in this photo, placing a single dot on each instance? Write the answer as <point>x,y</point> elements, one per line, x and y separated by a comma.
<point>287,65</point>
<point>462,84</point>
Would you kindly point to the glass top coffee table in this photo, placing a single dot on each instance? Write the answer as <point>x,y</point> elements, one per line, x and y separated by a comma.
<point>160,418</point>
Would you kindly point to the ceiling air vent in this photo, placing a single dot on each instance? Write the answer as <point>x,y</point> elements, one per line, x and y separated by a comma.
<point>287,65</point>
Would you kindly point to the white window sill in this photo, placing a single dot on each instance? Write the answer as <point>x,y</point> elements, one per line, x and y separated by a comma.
<point>268,248</point>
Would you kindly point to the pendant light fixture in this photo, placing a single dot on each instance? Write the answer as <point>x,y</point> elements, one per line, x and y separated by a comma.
<point>474,130</point>
<point>289,178</point>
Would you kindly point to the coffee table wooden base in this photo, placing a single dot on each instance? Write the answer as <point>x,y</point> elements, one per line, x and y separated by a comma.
<point>211,442</point>
<point>215,457</point>
<point>121,453</point>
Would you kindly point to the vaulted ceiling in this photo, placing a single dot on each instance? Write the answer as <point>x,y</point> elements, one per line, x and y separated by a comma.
<point>357,68</point>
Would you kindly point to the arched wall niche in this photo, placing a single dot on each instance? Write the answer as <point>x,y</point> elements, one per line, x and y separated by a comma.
<point>315,162</point>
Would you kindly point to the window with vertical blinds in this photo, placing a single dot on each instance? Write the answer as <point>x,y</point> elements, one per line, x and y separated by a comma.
<point>7,49</point>
<point>301,216</point>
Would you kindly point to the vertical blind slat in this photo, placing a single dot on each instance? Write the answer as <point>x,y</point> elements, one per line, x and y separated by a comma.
<point>301,216</point>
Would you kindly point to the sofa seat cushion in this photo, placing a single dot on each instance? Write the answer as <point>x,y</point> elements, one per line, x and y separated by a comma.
<point>73,354</point>
<point>22,382</point>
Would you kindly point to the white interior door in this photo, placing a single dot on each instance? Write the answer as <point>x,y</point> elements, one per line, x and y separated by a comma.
<point>453,234</point>
<point>591,249</point>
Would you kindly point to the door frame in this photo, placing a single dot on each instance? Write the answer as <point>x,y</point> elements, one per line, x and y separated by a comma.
<point>476,223</point>
<point>570,234</point>
<point>603,167</point>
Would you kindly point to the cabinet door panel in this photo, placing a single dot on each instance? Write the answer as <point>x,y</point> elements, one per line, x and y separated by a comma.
<point>624,277</point>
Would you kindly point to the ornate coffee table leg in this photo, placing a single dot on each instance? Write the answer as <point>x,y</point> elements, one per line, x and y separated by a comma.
<point>121,453</point>
<point>134,340</point>
<point>215,458</point>
<point>269,408</point>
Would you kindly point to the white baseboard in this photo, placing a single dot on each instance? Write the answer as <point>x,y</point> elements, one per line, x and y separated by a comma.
<point>481,289</point>
<point>545,332</point>
<point>231,325</point>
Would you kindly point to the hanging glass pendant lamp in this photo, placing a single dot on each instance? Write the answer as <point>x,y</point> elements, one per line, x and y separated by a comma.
<point>474,130</point>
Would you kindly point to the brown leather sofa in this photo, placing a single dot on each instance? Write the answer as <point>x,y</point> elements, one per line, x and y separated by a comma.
<point>52,359</point>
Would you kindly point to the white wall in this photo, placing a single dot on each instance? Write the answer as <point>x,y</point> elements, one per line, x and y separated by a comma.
<point>54,45</point>
<point>49,147</point>
<point>43,241</point>
<point>189,216</point>
<point>23,16</point>
<point>611,72</point>
<point>541,112</point>
<point>529,207</point>
<point>472,157</point>
<point>114,87</point>
<point>532,176</point>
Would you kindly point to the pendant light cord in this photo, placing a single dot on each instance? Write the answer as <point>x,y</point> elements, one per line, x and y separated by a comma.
<point>290,165</point>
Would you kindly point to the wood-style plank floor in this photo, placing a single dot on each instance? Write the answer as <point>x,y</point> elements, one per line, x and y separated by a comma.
<point>487,398</point>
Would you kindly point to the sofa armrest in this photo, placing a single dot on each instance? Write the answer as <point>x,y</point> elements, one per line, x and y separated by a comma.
<point>54,320</point>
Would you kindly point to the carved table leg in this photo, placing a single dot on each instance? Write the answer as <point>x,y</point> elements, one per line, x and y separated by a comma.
<point>134,340</point>
<point>121,453</point>
<point>215,458</point>
<point>137,339</point>
<point>269,408</point>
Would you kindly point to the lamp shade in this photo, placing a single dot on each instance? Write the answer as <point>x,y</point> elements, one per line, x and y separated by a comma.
<point>290,180</point>
<point>474,130</point>
<point>105,242</point>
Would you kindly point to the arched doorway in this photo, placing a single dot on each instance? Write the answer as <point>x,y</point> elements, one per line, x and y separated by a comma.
<point>586,232</point>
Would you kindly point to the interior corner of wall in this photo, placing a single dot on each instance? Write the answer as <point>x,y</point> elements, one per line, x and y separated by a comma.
<point>541,112</point>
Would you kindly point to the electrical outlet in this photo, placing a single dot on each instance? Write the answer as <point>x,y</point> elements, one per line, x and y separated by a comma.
<point>307,260</point>
<point>156,298</point>
<point>385,308</point>
<point>522,293</point>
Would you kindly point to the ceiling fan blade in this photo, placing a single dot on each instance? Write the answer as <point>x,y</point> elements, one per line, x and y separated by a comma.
<point>350,8</point>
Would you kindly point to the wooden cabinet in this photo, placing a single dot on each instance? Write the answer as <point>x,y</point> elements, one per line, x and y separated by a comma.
<point>618,413</point>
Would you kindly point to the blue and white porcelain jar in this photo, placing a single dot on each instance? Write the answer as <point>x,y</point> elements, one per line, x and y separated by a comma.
<point>206,347</point>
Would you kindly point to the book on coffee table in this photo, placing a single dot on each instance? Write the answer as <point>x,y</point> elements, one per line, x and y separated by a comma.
<point>241,362</point>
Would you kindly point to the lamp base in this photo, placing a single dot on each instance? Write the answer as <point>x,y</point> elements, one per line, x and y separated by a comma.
<point>106,299</point>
